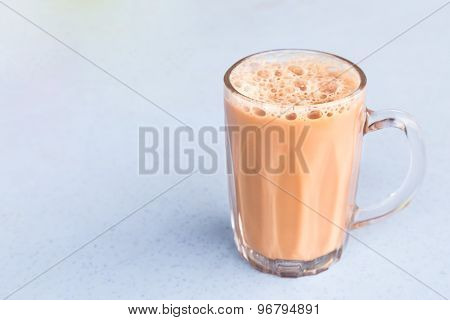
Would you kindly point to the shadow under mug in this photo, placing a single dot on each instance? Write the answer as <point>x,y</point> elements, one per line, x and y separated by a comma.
<point>295,222</point>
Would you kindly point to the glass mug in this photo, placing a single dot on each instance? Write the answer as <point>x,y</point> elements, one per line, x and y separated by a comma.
<point>293,220</point>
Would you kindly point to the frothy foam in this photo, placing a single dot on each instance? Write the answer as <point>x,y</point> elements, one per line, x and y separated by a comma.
<point>302,80</point>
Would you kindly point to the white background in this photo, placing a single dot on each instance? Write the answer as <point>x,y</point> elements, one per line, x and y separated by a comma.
<point>69,142</point>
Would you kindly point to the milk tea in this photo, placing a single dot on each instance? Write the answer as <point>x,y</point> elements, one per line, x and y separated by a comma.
<point>298,213</point>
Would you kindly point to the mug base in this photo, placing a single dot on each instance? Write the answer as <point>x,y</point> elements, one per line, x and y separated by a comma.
<point>289,268</point>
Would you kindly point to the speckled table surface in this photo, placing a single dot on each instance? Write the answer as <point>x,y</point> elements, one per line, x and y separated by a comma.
<point>69,136</point>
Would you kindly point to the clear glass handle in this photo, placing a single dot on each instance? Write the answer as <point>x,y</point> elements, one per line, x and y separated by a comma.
<point>399,199</point>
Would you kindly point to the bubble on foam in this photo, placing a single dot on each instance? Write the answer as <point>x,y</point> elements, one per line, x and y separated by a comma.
<point>262,74</point>
<point>291,116</point>
<point>298,71</point>
<point>328,87</point>
<point>259,112</point>
<point>315,114</point>
<point>301,84</point>
<point>301,80</point>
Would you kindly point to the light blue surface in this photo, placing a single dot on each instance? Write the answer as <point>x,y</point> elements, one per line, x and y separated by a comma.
<point>69,141</point>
